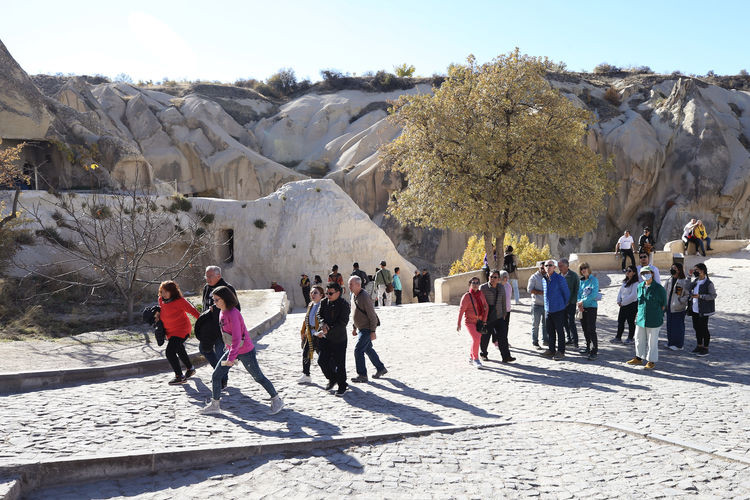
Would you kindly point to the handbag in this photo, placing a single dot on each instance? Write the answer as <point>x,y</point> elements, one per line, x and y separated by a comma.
<point>579,314</point>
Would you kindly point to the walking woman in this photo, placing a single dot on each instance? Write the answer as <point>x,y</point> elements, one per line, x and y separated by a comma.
<point>588,293</point>
<point>702,297</point>
<point>627,300</point>
<point>309,333</point>
<point>677,299</point>
<point>474,310</point>
<point>239,346</point>
<point>652,300</point>
<point>173,314</point>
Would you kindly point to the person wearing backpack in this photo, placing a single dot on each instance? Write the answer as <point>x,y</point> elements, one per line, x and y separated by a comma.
<point>384,283</point>
<point>239,347</point>
<point>365,322</point>
<point>510,265</point>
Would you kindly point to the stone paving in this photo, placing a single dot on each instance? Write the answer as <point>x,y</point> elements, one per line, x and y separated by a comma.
<point>702,402</point>
<point>560,460</point>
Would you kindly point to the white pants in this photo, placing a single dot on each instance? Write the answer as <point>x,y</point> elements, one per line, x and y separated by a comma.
<point>388,296</point>
<point>647,343</point>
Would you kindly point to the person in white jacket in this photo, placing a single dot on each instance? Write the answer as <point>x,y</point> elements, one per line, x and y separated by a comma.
<point>627,299</point>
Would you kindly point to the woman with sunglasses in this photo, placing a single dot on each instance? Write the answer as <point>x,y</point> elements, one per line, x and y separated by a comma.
<point>239,346</point>
<point>702,297</point>
<point>310,332</point>
<point>677,299</point>
<point>627,301</point>
<point>473,309</point>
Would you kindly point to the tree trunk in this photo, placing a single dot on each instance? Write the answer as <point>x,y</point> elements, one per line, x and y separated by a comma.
<point>488,249</point>
<point>13,209</point>
<point>130,308</point>
<point>499,240</point>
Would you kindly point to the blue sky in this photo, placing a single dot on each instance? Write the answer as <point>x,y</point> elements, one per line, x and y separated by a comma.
<point>227,40</point>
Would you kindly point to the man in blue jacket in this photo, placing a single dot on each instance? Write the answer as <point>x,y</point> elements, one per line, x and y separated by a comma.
<point>556,296</point>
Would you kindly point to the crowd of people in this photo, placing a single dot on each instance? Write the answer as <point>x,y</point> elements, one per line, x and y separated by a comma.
<point>560,298</point>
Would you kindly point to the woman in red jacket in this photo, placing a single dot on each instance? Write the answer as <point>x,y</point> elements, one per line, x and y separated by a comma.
<point>473,308</point>
<point>173,314</point>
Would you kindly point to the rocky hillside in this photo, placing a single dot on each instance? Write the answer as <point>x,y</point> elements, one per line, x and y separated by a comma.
<point>679,145</point>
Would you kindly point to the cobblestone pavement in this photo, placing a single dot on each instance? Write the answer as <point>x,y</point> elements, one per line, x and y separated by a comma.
<point>522,460</point>
<point>126,345</point>
<point>705,401</point>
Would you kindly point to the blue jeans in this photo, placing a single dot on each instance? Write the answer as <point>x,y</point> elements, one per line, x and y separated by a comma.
<point>676,328</point>
<point>364,346</point>
<point>214,355</point>
<point>537,315</point>
<point>251,365</point>
<point>516,293</point>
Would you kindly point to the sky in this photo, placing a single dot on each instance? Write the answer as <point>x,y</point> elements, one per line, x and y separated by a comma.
<point>228,40</point>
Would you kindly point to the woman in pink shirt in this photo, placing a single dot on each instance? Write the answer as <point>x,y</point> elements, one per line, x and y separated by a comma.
<point>473,308</point>
<point>240,346</point>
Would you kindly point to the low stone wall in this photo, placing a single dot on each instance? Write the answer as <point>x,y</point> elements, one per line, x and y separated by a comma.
<point>450,289</point>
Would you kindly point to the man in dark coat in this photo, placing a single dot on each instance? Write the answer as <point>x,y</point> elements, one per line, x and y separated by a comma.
<point>425,286</point>
<point>211,343</point>
<point>415,284</point>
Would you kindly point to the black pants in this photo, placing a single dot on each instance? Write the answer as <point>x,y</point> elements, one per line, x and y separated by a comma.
<point>398,296</point>
<point>332,361</point>
<point>588,324</point>
<point>570,323</point>
<point>306,294</point>
<point>176,349</point>
<point>424,297</point>
<point>625,254</point>
<point>555,322</point>
<point>307,350</point>
<point>499,331</point>
<point>700,325</point>
<point>627,313</point>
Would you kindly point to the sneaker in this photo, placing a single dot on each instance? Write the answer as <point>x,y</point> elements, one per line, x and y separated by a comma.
<point>545,343</point>
<point>559,356</point>
<point>584,350</point>
<point>177,381</point>
<point>340,392</point>
<point>616,340</point>
<point>211,408</point>
<point>380,373</point>
<point>548,354</point>
<point>592,356</point>
<point>636,361</point>
<point>484,357</point>
<point>189,373</point>
<point>360,378</point>
<point>276,405</point>
<point>478,364</point>
<point>673,348</point>
<point>703,352</point>
<point>509,360</point>
<point>649,366</point>
<point>628,341</point>
<point>697,349</point>
<point>330,385</point>
<point>304,379</point>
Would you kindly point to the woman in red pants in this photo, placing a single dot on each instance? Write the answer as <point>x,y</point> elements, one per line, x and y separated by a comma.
<point>474,309</point>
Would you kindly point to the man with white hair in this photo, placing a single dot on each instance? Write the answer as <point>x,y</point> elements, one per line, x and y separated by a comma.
<point>213,346</point>
<point>556,297</point>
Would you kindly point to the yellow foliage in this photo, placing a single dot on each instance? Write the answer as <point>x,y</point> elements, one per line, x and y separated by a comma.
<point>473,258</point>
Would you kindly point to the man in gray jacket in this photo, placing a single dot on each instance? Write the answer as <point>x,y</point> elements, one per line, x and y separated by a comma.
<point>365,324</point>
<point>536,288</point>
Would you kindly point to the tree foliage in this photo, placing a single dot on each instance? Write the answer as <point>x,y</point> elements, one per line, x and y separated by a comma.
<point>11,175</point>
<point>473,258</point>
<point>405,70</point>
<point>496,148</point>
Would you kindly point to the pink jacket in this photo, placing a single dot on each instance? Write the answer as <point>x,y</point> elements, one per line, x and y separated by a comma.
<point>467,310</point>
<point>232,323</point>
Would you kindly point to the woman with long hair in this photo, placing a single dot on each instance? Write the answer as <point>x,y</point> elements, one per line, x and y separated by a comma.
<point>239,346</point>
<point>627,301</point>
<point>677,299</point>
<point>474,309</point>
<point>173,311</point>
<point>309,333</point>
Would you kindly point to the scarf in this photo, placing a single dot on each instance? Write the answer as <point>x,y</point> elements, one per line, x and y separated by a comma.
<point>478,304</point>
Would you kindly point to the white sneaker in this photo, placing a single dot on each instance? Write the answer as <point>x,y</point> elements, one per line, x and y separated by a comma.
<point>304,379</point>
<point>276,405</point>
<point>478,364</point>
<point>211,408</point>
<point>674,348</point>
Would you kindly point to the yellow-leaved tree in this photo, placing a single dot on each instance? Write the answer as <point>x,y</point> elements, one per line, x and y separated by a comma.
<point>496,149</point>
<point>473,258</point>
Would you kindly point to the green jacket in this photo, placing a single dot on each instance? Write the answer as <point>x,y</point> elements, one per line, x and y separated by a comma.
<point>383,277</point>
<point>573,283</point>
<point>651,303</point>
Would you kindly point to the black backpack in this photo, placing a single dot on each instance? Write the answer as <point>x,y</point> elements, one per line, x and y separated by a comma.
<point>509,263</point>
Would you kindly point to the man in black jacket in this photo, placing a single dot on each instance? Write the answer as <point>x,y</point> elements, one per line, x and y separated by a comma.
<point>211,343</point>
<point>425,285</point>
<point>334,316</point>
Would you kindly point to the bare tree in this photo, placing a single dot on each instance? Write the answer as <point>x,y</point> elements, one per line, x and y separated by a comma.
<point>128,240</point>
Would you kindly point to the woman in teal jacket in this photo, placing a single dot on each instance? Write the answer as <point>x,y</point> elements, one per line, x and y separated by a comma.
<point>588,293</point>
<point>652,300</point>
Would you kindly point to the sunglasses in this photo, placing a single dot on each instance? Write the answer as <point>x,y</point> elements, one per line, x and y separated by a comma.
<point>474,282</point>
<point>549,265</point>
<point>494,277</point>
<point>331,293</point>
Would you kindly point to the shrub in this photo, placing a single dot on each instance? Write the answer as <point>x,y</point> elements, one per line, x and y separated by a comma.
<point>179,202</point>
<point>612,96</point>
<point>528,253</point>
<point>260,223</point>
<point>100,212</point>
<point>404,71</point>
<point>204,217</point>
<point>605,68</point>
<point>743,72</point>
<point>284,82</point>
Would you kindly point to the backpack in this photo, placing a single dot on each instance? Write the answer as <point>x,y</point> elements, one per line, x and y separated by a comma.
<point>509,263</point>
